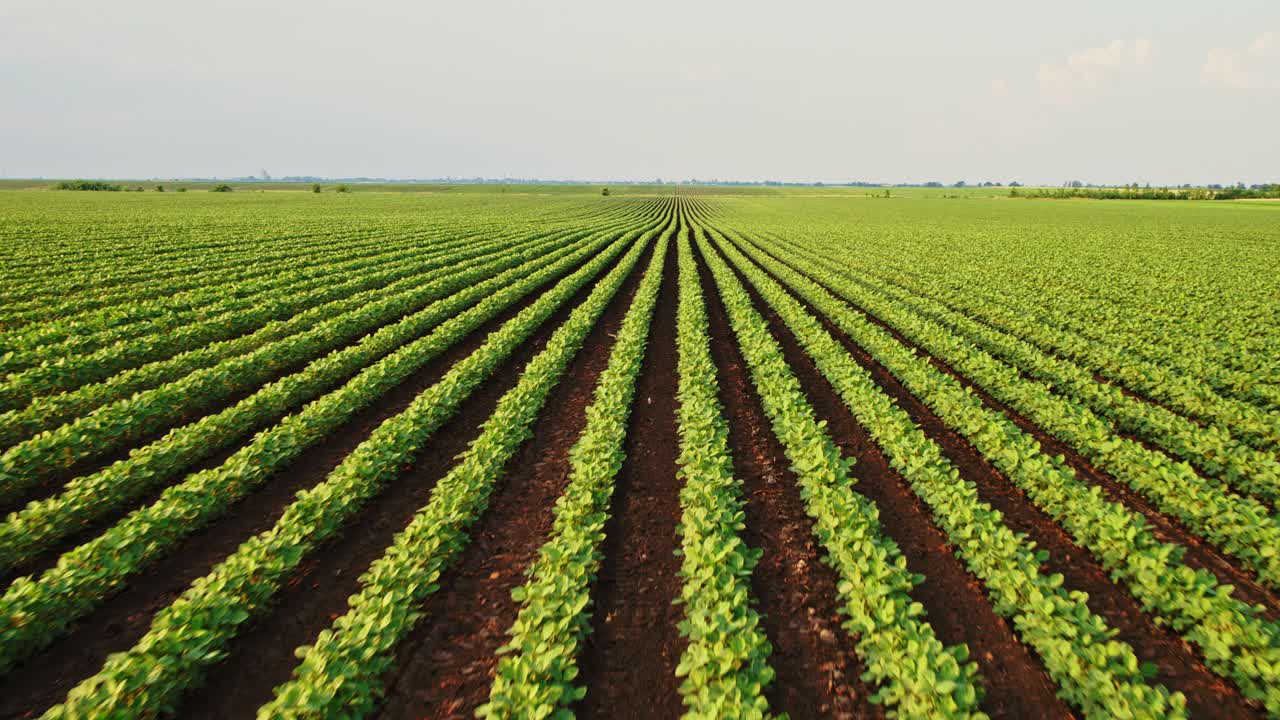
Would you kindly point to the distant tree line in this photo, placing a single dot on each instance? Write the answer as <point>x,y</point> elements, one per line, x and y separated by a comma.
<point>1133,191</point>
<point>89,185</point>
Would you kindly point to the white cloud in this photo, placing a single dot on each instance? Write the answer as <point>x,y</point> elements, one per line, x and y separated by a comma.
<point>1085,70</point>
<point>1256,66</point>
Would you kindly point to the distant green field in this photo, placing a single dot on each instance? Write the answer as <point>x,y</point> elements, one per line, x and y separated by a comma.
<point>449,451</point>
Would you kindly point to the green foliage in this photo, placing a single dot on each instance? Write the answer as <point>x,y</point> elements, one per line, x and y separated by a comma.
<point>535,676</point>
<point>725,665</point>
<point>1236,641</point>
<point>49,604</point>
<point>1134,192</point>
<point>917,675</point>
<point>342,670</point>
<point>210,613</point>
<point>221,188</point>
<point>88,185</point>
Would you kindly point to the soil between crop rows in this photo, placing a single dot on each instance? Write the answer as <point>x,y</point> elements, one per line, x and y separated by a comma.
<point>818,671</point>
<point>1199,553</point>
<point>55,484</point>
<point>1179,667</point>
<point>1016,683</point>
<point>121,621</point>
<point>318,593</point>
<point>629,659</point>
<point>444,668</point>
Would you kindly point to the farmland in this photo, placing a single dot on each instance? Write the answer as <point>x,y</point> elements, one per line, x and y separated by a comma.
<point>720,452</point>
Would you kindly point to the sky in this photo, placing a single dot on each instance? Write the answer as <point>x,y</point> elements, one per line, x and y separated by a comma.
<point>1164,92</point>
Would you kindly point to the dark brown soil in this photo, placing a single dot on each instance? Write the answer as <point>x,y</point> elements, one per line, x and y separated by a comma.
<point>445,666</point>
<point>1180,668</point>
<point>263,655</point>
<point>57,481</point>
<point>629,659</point>
<point>1098,378</point>
<point>818,671</point>
<point>124,619</point>
<point>50,557</point>
<point>1199,553</point>
<point>1016,683</point>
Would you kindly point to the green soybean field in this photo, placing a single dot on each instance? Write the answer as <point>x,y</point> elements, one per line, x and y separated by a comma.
<point>703,452</point>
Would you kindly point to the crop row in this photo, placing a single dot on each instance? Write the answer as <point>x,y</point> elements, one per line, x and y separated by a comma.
<point>217,303</point>
<point>42,522</point>
<point>71,372</point>
<point>725,665</point>
<point>1098,316</point>
<point>1235,641</point>
<point>1182,393</point>
<point>92,572</point>
<point>916,674</point>
<point>1240,525</point>
<point>166,309</point>
<point>536,673</point>
<point>1208,448</point>
<point>116,425</point>
<point>1098,674</point>
<point>341,673</point>
<point>1171,313</point>
<point>98,293</point>
<point>192,632</point>
<point>48,412</point>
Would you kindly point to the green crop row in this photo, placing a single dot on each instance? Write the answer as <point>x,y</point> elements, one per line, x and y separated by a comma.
<point>1234,640</point>
<point>917,676</point>
<point>1239,525</point>
<point>1208,448</point>
<point>60,372</point>
<point>129,288</point>
<point>192,632</point>
<point>42,522</point>
<point>117,425</point>
<point>214,298</point>
<point>536,673</point>
<point>290,290</point>
<point>138,314</point>
<point>50,411</point>
<point>71,372</point>
<point>1203,328</point>
<point>1096,673</point>
<point>1093,314</point>
<point>725,665</point>
<point>90,307</point>
<point>1183,393</point>
<point>44,608</point>
<point>342,672</point>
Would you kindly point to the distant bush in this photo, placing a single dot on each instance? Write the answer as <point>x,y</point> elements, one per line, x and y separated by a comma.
<point>95,185</point>
<point>315,187</point>
<point>182,189</point>
<point>605,192</point>
<point>159,188</point>
<point>343,188</point>
<point>221,187</point>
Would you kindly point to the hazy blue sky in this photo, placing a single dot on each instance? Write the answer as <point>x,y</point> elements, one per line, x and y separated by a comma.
<point>1161,91</point>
